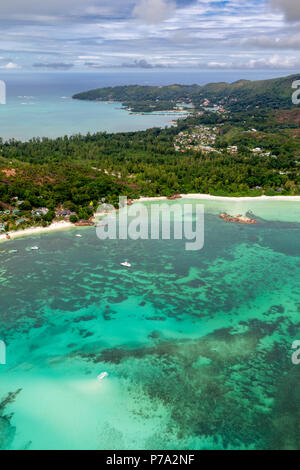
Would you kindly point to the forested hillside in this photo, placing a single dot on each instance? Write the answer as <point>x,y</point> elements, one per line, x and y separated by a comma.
<point>246,152</point>
<point>243,94</point>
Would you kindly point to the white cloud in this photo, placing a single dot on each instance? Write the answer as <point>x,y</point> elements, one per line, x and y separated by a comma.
<point>10,66</point>
<point>286,41</point>
<point>178,33</point>
<point>154,11</point>
<point>88,57</point>
<point>219,65</point>
<point>274,62</point>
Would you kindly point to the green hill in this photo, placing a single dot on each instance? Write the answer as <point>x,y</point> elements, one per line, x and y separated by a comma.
<point>243,94</point>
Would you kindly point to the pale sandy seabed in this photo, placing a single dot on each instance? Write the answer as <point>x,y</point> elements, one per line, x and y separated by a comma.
<point>223,198</point>
<point>67,225</point>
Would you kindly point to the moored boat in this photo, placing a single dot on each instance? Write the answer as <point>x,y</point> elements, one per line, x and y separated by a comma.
<point>126,264</point>
<point>102,376</point>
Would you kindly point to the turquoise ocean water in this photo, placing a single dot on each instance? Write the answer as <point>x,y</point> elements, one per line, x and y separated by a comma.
<point>197,345</point>
<point>40,104</point>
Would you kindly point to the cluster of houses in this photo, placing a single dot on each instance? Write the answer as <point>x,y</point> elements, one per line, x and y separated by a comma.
<point>64,213</point>
<point>203,138</point>
<point>14,215</point>
<point>39,212</point>
<point>260,152</point>
<point>10,213</point>
<point>214,108</point>
<point>200,138</point>
<point>8,216</point>
<point>232,149</point>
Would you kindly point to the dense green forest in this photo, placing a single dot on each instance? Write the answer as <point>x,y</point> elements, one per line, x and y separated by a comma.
<point>238,96</point>
<point>249,153</point>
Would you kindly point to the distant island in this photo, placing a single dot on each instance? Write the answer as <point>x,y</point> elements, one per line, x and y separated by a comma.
<point>239,140</point>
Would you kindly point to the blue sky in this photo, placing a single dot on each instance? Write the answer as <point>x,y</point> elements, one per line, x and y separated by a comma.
<point>85,35</point>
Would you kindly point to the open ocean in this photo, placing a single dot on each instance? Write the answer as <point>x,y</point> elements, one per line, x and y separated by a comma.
<point>197,345</point>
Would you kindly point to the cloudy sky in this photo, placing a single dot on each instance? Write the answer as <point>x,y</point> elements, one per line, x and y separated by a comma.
<point>99,34</point>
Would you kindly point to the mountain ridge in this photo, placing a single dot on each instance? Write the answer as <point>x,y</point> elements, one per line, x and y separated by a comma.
<point>273,93</point>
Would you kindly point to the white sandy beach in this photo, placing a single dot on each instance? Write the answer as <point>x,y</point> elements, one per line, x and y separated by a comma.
<point>37,230</point>
<point>63,225</point>
<point>224,198</point>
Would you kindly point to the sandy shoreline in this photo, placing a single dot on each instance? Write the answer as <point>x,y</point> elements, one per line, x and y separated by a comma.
<point>63,225</point>
<point>223,198</point>
<point>37,230</point>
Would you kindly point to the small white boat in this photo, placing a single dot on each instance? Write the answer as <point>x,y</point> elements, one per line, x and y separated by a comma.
<point>102,376</point>
<point>78,236</point>
<point>34,248</point>
<point>13,251</point>
<point>126,264</point>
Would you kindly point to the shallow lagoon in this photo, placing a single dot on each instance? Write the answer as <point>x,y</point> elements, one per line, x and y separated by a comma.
<point>197,345</point>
